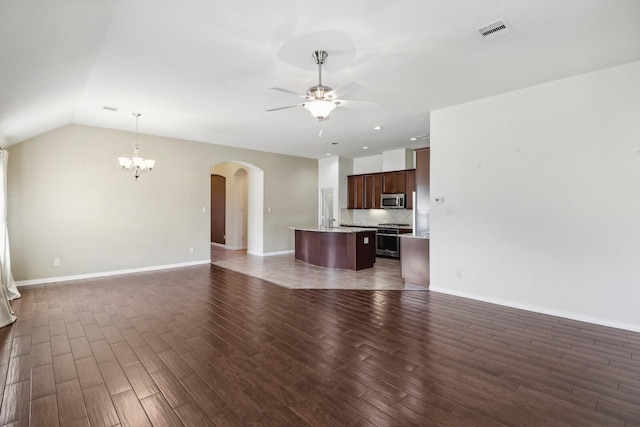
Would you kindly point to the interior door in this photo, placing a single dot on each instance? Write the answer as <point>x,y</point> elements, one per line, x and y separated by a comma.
<point>218,206</point>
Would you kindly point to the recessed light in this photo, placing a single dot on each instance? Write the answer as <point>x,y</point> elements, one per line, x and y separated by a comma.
<point>365,148</point>
<point>413,139</point>
<point>377,128</point>
<point>334,143</point>
<point>109,108</point>
<point>328,154</point>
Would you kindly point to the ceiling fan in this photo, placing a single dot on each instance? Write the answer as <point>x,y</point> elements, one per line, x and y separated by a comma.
<point>320,100</point>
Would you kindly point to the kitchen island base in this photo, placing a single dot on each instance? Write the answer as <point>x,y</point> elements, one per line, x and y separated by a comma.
<point>352,250</point>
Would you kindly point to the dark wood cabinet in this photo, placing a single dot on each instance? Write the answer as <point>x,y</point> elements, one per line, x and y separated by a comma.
<point>358,187</point>
<point>410,187</point>
<point>378,191</point>
<point>388,182</point>
<point>370,192</point>
<point>393,182</point>
<point>355,192</point>
<point>351,193</point>
<point>364,191</point>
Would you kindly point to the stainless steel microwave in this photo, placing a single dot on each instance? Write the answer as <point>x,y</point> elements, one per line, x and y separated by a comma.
<point>392,201</point>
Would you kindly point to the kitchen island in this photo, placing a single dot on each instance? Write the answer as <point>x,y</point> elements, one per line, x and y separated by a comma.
<point>349,248</point>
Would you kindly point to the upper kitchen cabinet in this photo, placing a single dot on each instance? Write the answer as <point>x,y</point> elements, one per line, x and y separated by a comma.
<point>358,186</point>
<point>372,185</point>
<point>364,191</point>
<point>393,182</point>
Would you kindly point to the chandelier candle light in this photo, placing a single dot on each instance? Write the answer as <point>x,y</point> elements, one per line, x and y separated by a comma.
<point>137,165</point>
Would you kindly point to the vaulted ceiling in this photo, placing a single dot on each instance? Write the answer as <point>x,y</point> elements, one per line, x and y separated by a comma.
<point>202,70</point>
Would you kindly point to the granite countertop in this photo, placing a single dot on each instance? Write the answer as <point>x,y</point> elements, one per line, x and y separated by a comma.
<point>335,229</point>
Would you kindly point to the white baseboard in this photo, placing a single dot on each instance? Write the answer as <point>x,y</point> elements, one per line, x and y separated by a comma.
<point>541,310</point>
<point>231,248</point>
<point>109,273</point>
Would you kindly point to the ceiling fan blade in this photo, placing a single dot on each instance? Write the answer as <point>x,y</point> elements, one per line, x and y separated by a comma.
<point>284,108</point>
<point>344,90</point>
<point>355,104</point>
<point>290,92</point>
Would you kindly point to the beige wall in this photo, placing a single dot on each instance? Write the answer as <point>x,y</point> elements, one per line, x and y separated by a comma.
<point>68,200</point>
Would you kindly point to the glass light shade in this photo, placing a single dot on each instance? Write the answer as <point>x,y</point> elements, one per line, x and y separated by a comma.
<point>138,161</point>
<point>125,162</point>
<point>320,109</point>
<point>149,164</point>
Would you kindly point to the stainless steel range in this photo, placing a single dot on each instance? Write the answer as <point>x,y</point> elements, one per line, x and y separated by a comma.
<point>388,240</point>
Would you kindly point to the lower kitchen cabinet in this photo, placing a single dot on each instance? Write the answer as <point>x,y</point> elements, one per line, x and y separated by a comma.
<point>414,260</point>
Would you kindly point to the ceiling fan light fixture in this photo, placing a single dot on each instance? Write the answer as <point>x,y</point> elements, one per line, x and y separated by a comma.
<point>320,100</point>
<point>320,109</point>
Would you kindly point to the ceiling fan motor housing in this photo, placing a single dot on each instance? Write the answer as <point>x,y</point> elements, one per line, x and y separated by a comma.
<point>320,56</point>
<point>319,92</point>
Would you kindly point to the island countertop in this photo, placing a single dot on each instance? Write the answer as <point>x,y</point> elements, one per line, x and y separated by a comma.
<point>334,229</point>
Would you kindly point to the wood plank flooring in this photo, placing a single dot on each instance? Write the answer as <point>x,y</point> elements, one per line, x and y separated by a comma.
<point>205,346</point>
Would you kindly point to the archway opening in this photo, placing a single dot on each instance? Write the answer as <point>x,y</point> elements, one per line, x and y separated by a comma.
<point>244,198</point>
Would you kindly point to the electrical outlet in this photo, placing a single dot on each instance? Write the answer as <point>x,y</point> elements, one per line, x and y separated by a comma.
<point>450,211</point>
<point>459,274</point>
<point>190,250</point>
<point>56,262</point>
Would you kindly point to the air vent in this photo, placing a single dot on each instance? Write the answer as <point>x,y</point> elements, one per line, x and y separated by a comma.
<point>108,108</point>
<point>494,29</point>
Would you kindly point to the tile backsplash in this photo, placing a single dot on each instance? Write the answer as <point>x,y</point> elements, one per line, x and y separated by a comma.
<point>375,216</point>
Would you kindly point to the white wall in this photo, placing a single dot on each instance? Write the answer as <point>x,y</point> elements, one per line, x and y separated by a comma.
<point>368,164</point>
<point>332,173</point>
<point>346,169</point>
<point>69,200</point>
<point>542,198</point>
<point>400,159</point>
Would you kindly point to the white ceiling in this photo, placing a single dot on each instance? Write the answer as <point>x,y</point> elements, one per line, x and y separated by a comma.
<point>201,70</point>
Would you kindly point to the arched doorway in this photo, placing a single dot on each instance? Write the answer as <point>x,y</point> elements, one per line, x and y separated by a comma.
<point>244,199</point>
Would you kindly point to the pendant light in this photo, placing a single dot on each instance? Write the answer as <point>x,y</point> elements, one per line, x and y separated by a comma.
<point>136,164</point>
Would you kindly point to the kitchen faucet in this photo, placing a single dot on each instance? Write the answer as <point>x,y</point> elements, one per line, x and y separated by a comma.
<point>331,221</point>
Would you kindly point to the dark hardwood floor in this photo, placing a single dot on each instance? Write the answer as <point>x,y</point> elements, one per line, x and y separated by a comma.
<point>205,346</point>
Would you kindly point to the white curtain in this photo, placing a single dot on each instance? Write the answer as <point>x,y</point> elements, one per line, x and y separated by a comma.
<point>8,289</point>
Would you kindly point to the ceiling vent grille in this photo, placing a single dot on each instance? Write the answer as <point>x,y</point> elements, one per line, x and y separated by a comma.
<point>494,29</point>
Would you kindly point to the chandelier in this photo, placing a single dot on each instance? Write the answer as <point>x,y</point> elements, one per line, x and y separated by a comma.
<point>136,164</point>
